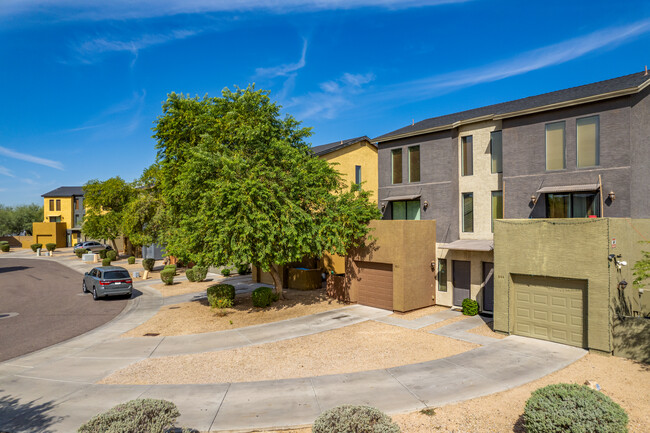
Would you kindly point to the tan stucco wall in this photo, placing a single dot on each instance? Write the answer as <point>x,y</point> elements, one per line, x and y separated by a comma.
<point>482,182</point>
<point>477,258</point>
<point>410,247</point>
<point>363,154</point>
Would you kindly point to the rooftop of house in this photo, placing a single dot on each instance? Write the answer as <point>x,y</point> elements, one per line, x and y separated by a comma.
<point>65,191</point>
<point>324,149</point>
<point>619,86</point>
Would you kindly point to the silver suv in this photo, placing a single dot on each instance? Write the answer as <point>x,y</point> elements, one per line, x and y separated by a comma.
<point>92,246</point>
<point>108,281</point>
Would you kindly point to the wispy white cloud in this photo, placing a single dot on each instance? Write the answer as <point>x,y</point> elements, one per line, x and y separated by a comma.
<point>6,172</point>
<point>286,69</point>
<point>129,9</point>
<point>30,158</point>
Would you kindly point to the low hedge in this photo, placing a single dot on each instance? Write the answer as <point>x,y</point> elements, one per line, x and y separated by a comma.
<point>142,415</point>
<point>470,307</point>
<point>50,246</point>
<point>354,419</point>
<point>80,252</point>
<point>102,254</point>
<point>263,297</point>
<point>5,247</point>
<point>171,268</point>
<point>148,264</point>
<point>242,269</point>
<point>167,276</point>
<point>225,272</point>
<point>196,274</point>
<point>34,247</point>
<point>225,291</point>
<point>111,254</point>
<point>573,408</point>
<point>131,260</point>
<point>106,261</point>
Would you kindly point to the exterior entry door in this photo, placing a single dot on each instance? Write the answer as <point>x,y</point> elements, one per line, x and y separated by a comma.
<point>462,279</point>
<point>488,286</point>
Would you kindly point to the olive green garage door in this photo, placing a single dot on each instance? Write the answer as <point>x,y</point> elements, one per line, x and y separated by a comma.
<point>550,309</point>
<point>375,284</point>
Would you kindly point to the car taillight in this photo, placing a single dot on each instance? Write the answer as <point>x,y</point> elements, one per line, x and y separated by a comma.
<point>104,283</point>
<point>128,281</point>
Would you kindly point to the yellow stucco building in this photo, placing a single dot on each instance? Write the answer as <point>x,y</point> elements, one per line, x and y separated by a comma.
<point>63,205</point>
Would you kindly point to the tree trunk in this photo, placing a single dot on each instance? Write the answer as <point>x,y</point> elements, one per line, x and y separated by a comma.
<point>115,246</point>
<point>275,274</point>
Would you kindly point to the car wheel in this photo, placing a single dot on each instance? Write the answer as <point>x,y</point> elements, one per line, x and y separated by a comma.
<point>95,297</point>
<point>84,288</point>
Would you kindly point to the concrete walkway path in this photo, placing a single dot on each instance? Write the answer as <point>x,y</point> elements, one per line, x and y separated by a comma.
<point>54,390</point>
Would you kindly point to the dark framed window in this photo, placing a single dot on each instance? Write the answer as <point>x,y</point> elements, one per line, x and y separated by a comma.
<point>496,152</point>
<point>555,146</point>
<point>357,174</point>
<point>406,210</point>
<point>396,162</point>
<point>51,205</point>
<point>497,206</point>
<point>58,205</point>
<point>588,141</point>
<point>76,204</point>
<point>466,154</point>
<point>442,275</point>
<point>572,205</point>
<point>468,212</point>
<point>56,219</point>
<point>414,164</point>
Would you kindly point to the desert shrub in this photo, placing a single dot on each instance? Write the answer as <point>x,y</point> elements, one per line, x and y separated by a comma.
<point>50,246</point>
<point>106,261</point>
<point>263,297</point>
<point>148,264</point>
<point>242,269</point>
<point>220,303</point>
<point>354,419</point>
<point>224,291</point>
<point>167,276</point>
<point>3,242</point>
<point>4,248</point>
<point>80,252</point>
<point>572,408</point>
<point>170,268</point>
<point>142,415</point>
<point>470,307</point>
<point>103,254</point>
<point>189,273</point>
<point>34,247</point>
<point>111,255</point>
<point>131,260</point>
<point>200,273</point>
<point>225,272</point>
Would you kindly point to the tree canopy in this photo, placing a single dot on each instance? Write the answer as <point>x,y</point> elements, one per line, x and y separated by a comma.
<point>18,219</point>
<point>105,204</point>
<point>242,186</point>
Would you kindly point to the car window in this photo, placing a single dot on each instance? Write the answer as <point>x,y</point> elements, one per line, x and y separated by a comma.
<point>116,275</point>
<point>93,273</point>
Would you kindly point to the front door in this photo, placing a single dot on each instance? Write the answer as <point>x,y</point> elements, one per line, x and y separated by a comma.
<point>488,286</point>
<point>462,279</point>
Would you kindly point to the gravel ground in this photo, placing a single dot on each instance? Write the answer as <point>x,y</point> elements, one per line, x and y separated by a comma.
<point>183,287</point>
<point>197,317</point>
<point>625,381</point>
<point>364,346</point>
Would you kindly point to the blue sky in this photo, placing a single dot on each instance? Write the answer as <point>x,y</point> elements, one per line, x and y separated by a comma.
<point>83,81</point>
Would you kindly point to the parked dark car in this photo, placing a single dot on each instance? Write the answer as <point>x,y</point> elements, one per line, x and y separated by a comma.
<point>108,281</point>
<point>92,246</point>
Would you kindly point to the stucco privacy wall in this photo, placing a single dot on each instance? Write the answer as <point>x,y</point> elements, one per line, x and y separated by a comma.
<point>410,247</point>
<point>49,233</point>
<point>561,248</point>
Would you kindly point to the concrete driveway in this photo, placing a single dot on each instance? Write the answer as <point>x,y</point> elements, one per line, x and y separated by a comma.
<point>42,304</point>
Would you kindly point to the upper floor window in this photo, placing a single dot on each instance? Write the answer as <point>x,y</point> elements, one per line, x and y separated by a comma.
<point>414,164</point>
<point>396,162</point>
<point>572,205</point>
<point>58,205</point>
<point>468,212</point>
<point>51,205</point>
<point>466,156</point>
<point>357,174</point>
<point>555,146</point>
<point>76,204</point>
<point>587,130</point>
<point>406,210</point>
<point>497,206</point>
<point>496,152</point>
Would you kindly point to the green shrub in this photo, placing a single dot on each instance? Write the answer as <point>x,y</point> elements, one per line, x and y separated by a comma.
<point>220,303</point>
<point>170,268</point>
<point>470,307</point>
<point>131,260</point>
<point>34,247</point>
<point>354,419</point>
<point>225,291</point>
<point>242,269</point>
<point>50,246</point>
<point>106,262</point>
<point>80,252</point>
<point>4,242</point>
<point>111,255</point>
<point>225,272</point>
<point>142,415</point>
<point>102,254</point>
<point>200,273</point>
<point>189,273</point>
<point>167,276</point>
<point>263,297</point>
<point>148,264</point>
<point>4,248</point>
<point>572,408</point>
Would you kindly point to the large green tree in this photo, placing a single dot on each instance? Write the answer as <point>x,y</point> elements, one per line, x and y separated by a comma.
<point>18,219</point>
<point>105,204</point>
<point>242,186</point>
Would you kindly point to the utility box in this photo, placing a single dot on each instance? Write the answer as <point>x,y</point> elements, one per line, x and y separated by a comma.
<point>153,251</point>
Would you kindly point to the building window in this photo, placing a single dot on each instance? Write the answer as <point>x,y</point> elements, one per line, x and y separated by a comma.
<point>497,206</point>
<point>442,275</point>
<point>56,219</point>
<point>466,154</point>
<point>588,131</point>
<point>76,204</point>
<point>51,205</point>
<point>496,152</point>
<point>58,205</point>
<point>414,164</point>
<point>406,210</point>
<point>572,205</point>
<point>397,165</point>
<point>357,174</point>
<point>468,212</point>
<point>555,146</point>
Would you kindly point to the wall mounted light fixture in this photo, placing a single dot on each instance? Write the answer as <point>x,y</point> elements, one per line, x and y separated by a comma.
<point>611,196</point>
<point>383,206</point>
<point>425,205</point>
<point>533,198</point>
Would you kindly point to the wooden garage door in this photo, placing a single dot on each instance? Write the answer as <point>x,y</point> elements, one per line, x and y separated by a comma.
<point>550,309</point>
<point>375,283</point>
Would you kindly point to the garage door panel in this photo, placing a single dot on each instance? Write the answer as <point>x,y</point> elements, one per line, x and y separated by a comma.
<point>375,284</point>
<point>549,308</point>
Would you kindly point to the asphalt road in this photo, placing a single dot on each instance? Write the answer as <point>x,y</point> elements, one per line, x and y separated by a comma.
<point>50,305</point>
